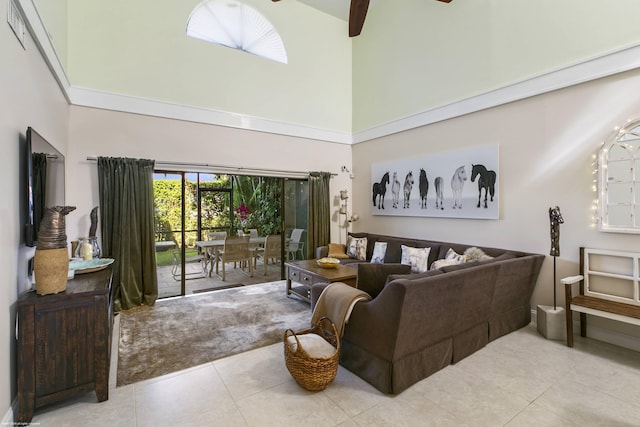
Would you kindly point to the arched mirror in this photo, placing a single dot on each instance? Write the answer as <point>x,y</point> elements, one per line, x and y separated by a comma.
<point>619,180</point>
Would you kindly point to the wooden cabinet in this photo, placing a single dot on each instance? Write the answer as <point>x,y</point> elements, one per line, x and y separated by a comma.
<point>64,343</point>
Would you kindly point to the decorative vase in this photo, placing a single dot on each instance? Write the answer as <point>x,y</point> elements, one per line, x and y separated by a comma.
<point>51,262</point>
<point>87,248</point>
<point>51,267</point>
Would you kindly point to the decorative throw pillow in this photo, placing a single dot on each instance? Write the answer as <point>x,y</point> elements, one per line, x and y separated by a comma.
<point>439,263</point>
<point>337,250</point>
<point>476,254</point>
<point>451,254</point>
<point>417,258</point>
<point>379,249</point>
<point>357,248</point>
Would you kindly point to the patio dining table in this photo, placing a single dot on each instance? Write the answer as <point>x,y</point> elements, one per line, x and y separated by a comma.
<point>209,246</point>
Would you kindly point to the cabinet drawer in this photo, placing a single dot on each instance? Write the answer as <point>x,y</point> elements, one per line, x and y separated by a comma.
<point>306,279</point>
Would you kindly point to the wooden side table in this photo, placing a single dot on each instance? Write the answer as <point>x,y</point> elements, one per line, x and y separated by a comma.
<point>301,275</point>
<point>64,342</point>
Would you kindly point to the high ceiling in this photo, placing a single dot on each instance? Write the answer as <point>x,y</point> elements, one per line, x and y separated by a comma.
<point>337,8</point>
<point>418,60</point>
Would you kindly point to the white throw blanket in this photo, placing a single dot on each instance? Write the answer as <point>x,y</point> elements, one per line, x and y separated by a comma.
<point>336,303</point>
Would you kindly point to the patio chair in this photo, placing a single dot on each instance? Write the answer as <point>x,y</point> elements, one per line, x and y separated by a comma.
<point>176,268</point>
<point>295,244</point>
<point>211,253</point>
<point>236,249</point>
<point>272,250</point>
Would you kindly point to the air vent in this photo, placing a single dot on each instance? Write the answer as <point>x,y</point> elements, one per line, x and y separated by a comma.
<point>14,18</point>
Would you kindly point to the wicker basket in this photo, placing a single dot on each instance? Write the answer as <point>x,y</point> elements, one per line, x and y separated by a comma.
<point>312,373</point>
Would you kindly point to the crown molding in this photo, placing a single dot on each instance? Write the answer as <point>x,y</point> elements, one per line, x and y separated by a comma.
<point>590,69</point>
<point>130,104</point>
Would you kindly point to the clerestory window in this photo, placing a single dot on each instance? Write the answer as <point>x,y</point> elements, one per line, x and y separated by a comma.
<point>234,24</point>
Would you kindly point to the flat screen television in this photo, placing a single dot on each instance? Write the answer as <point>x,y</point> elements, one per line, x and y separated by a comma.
<point>45,182</point>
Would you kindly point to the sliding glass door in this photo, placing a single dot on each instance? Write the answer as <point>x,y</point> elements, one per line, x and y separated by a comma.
<point>190,207</point>
<point>296,210</point>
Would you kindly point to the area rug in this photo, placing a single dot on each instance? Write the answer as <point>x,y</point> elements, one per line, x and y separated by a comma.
<point>179,333</point>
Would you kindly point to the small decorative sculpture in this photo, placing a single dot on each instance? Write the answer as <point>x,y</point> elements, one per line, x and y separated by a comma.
<point>555,219</point>
<point>52,232</point>
<point>94,222</point>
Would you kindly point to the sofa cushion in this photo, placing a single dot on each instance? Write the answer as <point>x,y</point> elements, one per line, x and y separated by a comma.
<point>357,247</point>
<point>417,258</point>
<point>372,278</point>
<point>379,250</point>
<point>412,276</point>
<point>337,250</point>
<point>504,256</point>
<point>462,266</point>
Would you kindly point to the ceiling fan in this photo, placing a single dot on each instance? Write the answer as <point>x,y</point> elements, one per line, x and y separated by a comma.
<point>358,13</point>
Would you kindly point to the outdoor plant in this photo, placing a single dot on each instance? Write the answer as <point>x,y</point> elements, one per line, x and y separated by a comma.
<point>242,213</point>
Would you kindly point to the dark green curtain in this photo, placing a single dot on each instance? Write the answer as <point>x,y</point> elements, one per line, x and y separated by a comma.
<point>319,212</point>
<point>126,217</point>
<point>38,186</point>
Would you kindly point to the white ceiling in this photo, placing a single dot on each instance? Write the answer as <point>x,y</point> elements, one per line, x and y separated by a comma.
<point>337,8</point>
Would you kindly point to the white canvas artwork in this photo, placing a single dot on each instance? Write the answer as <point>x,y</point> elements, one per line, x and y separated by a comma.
<point>454,184</point>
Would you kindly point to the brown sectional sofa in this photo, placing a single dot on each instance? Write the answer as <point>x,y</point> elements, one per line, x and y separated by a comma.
<point>417,324</point>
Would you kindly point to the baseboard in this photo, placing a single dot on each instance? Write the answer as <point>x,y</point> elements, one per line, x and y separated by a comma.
<point>9,417</point>
<point>602,334</point>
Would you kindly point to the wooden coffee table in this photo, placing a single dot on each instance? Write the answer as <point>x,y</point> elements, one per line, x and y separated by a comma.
<point>301,275</point>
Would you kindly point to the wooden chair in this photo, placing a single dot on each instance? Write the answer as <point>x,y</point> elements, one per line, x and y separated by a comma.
<point>272,250</point>
<point>236,249</point>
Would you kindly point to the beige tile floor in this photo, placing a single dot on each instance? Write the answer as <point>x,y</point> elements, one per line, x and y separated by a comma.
<point>518,380</point>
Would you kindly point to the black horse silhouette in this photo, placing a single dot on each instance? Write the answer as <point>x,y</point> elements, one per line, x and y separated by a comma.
<point>487,181</point>
<point>379,190</point>
<point>423,187</point>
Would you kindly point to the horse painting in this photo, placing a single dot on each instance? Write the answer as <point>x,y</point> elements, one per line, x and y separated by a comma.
<point>439,183</point>
<point>487,181</point>
<point>395,190</point>
<point>457,182</point>
<point>408,184</point>
<point>379,190</point>
<point>423,187</point>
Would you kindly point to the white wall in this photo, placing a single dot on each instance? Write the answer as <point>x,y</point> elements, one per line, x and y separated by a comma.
<point>29,96</point>
<point>140,48</point>
<point>426,54</point>
<point>546,148</point>
<point>95,132</point>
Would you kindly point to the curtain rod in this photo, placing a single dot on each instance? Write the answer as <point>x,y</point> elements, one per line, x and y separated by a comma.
<point>207,167</point>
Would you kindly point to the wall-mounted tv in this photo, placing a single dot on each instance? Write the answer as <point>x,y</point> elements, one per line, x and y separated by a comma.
<point>45,182</point>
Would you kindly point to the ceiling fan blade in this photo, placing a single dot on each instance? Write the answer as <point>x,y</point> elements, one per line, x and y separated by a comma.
<point>357,15</point>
